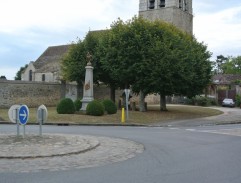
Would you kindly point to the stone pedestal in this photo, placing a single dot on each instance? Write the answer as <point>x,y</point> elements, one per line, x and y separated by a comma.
<point>88,93</point>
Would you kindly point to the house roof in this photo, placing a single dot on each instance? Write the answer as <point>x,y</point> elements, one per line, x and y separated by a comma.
<point>49,61</point>
<point>226,79</point>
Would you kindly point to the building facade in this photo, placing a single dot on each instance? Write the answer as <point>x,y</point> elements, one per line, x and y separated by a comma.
<point>177,12</point>
<point>47,67</point>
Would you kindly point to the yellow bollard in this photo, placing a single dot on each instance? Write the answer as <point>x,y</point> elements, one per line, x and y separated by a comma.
<point>123,115</point>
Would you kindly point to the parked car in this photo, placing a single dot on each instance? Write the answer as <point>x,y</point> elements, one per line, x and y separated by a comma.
<point>228,102</point>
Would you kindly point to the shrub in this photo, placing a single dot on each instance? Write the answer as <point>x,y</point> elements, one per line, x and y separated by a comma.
<point>110,106</point>
<point>66,106</point>
<point>213,101</point>
<point>77,104</point>
<point>238,100</point>
<point>189,101</point>
<point>95,108</point>
<point>202,101</point>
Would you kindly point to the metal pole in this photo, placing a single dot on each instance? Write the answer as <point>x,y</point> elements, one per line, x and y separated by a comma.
<point>41,122</point>
<point>16,118</point>
<point>23,131</point>
<point>127,115</point>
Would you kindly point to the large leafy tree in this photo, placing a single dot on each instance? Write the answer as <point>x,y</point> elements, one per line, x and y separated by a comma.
<point>155,57</point>
<point>74,63</point>
<point>151,57</point>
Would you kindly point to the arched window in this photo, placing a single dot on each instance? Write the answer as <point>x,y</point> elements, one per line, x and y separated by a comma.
<point>30,75</point>
<point>43,77</point>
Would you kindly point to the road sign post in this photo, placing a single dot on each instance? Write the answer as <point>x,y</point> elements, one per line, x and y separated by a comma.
<point>42,115</point>
<point>16,118</point>
<point>23,115</point>
<point>127,93</point>
<point>13,116</point>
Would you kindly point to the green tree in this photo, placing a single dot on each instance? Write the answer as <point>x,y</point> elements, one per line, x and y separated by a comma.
<point>150,57</point>
<point>3,77</point>
<point>18,74</point>
<point>155,57</point>
<point>74,63</point>
<point>232,65</point>
<point>218,64</point>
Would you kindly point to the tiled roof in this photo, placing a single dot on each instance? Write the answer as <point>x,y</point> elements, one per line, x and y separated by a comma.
<point>49,61</point>
<point>226,78</point>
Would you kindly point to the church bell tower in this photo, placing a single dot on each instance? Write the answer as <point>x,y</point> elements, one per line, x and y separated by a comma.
<point>176,12</point>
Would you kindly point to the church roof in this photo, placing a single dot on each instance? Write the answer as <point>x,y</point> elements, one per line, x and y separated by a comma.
<point>49,61</point>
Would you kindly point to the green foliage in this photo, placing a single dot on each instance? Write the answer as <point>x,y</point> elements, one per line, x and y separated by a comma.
<point>66,106</point>
<point>237,82</point>
<point>18,74</point>
<point>238,100</point>
<point>189,101</point>
<point>77,104</point>
<point>95,108</point>
<point>152,57</point>
<point>213,101</point>
<point>110,106</point>
<point>202,101</point>
<point>227,65</point>
<point>74,62</point>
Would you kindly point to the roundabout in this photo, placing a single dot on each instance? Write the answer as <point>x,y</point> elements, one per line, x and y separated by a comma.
<point>62,152</point>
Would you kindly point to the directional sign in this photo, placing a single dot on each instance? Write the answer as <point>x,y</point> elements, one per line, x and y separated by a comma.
<point>12,113</point>
<point>23,114</point>
<point>42,114</point>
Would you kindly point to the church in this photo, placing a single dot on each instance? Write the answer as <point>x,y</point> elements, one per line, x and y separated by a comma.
<point>177,12</point>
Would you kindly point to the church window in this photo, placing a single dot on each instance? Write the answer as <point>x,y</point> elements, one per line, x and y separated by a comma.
<point>185,5</point>
<point>43,77</point>
<point>151,4</point>
<point>162,3</point>
<point>180,4</point>
<point>30,75</point>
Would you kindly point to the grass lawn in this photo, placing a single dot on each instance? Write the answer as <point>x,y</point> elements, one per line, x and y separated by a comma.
<point>135,117</point>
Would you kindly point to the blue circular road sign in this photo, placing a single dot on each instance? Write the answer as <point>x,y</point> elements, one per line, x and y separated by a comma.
<point>23,114</point>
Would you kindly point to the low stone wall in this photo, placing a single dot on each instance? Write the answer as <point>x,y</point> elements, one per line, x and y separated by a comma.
<point>30,93</point>
<point>34,94</point>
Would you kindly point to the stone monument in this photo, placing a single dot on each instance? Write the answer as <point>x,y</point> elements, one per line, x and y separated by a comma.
<point>88,93</point>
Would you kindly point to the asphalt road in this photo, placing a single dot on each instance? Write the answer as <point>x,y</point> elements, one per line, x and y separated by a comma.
<point>209,154</point>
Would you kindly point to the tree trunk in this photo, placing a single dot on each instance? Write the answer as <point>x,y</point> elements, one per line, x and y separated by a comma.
<point>112,93</point>
<point>163,105</point>
<point>142,102</point>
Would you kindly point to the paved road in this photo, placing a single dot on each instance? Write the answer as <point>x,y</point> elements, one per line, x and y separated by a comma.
<point>209,154</point>
<point>229,116</point>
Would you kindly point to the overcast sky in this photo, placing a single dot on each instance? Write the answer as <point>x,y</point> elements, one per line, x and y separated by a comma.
<point>28,27</point>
